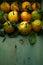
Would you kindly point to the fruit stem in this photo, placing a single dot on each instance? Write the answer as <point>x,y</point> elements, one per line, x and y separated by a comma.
<point>26,25</point>
<point>13,13</point>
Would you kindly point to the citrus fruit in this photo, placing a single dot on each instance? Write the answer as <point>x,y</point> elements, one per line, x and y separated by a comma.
<point>36,5</point>
<point>37,25</point>
<point>13,16</point>
<point>24,27</point>
<point>0,6</point>
<point>26,5</point>
<point>14,6</point>
<point>5,6</point>
<point>35,15</point>
<point>25,16</point>
<point>8,27</point>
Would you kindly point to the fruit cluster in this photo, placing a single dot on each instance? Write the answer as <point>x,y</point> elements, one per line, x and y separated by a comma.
<point>27,15</point>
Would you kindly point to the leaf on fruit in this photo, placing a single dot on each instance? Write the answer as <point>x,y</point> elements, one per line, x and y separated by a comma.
<point>13,24</point>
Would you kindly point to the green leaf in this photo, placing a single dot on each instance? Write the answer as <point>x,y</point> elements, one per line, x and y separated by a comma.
<point>1,25</point>
<point>32,38</point>
<point>5,16</point>
<point>4,39</point>
<point>13,24</point>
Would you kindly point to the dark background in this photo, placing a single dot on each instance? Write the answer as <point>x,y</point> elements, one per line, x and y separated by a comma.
<point>21,0</point>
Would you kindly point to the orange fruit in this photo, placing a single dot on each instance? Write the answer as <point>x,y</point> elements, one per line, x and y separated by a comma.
<point>35,5</point>
<point>13,16</point>
<point>26,5</point>
<point>8,27</point>
<point>5,6</point>
<point>0,6</point>
<point>24,27</point>
<point>14,6</point>
<point>37,25</point>
<point>25,16</point>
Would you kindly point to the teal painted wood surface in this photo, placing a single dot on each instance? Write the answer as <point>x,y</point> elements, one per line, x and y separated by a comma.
<point>7,52</point>
<point>25,54</point>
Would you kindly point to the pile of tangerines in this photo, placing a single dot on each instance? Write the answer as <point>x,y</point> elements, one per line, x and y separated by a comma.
<point>26,15</point>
